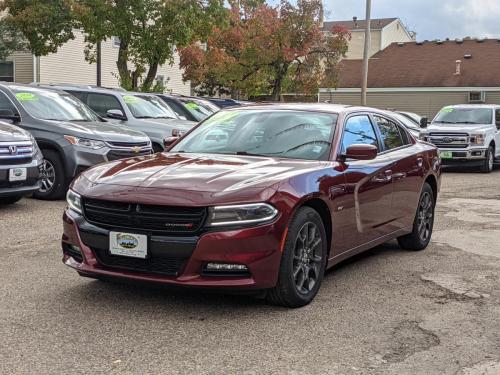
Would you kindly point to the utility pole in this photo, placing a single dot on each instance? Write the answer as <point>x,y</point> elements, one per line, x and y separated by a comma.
<point>366,52</point>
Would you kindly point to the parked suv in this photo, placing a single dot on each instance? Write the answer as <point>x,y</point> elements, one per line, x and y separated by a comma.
<point>20,163</point>
<point>71,136</point>
<point>466,134</point>
<point>140,111</point>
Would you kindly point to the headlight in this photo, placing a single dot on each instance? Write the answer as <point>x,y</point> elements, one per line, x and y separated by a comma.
<point>85,142</point>
<point>36,150</point>
<point>241,214</point>
<point>477,139</point>
<point>74,201</point>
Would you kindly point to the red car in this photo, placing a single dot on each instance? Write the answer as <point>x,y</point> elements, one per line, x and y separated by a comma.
<point>261,198</point>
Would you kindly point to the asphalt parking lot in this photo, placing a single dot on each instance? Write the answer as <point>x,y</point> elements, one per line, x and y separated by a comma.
<point>388,311</point>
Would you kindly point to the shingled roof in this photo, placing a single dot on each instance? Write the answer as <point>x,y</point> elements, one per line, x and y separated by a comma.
<point>428,64</point>
<point>375,24</point>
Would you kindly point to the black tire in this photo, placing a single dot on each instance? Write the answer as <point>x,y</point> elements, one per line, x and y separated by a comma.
<point>423,224</point>
<point>54,185</point>
<point>9,200</point>
<point>301,257</point>
<point>487,167</point>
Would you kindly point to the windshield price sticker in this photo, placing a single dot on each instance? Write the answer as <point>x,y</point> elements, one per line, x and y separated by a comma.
<point>447,110</point>
<point>192,105</point>
<point>130,99</point>
<point>26,97</point>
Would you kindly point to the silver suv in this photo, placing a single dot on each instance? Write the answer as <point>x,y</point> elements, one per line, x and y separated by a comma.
<point>466,135</point>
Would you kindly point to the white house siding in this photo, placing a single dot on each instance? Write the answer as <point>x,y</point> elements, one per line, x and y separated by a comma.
<point>394,32</point>
<point>68,65</point>
<point>23,66</point>
<point>425,103</point>
<point>357,42</point>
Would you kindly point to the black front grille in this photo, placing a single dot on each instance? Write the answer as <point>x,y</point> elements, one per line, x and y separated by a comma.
<point>170,266</point>
<point>151,218</point>
<point>122,154</point>
<point>129,144</point>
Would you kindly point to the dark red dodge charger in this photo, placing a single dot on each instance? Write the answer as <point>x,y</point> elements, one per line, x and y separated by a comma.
<point>261,198</point>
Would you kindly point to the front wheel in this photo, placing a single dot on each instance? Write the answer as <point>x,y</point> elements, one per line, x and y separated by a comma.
<point>423,224</point>
<point>303,261</point>
<point>487,167</point>
<point>53,178</point>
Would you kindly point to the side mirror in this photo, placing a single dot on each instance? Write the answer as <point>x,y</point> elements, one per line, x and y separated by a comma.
<point>424,121</point>
<point>7,114</point>
<point>361,152</point>
<point>116,114</point>
<point>169,141</point>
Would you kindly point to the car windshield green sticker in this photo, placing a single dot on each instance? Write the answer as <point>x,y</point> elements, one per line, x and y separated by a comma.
<point>192,106</point>
<point>447,110</point>
<point>26,97</point>
<point>130,99</point>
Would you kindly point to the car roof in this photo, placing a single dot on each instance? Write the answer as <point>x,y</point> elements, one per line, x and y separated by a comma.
<point>318,107</point>
<point>486,106</point>
<point>29,86</point>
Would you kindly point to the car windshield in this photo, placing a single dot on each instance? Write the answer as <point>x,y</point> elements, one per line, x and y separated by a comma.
<point>198,109</point>
<point>275,133</point>
<point>457,115</point>
<point>53,105</point>
<point>145,106</point>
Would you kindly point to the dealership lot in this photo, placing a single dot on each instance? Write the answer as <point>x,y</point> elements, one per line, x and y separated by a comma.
<point>388,311</point>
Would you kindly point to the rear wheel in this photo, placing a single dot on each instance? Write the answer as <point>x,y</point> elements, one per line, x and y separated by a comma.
<point>303,261</point>
<point>53,178</point>
<point>9,200</point>
<point>487,167</point>
<point>423,224</point>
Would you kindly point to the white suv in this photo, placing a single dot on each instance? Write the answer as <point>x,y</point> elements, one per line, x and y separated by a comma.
<point>466,134</point>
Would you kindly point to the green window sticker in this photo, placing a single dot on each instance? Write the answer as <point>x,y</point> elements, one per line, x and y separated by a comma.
<point>447,110</point>
<point>192,106</point>
<point>26,97</point>
<point>130,99</point>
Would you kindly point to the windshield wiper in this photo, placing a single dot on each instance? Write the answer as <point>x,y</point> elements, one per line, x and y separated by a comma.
<point>467,122</point>
<point>245,153</point>
<point>444,122</point>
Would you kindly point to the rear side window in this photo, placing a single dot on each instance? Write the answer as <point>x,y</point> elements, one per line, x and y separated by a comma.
<point>358,130</point>
<point>101,103</point>
<point>389,133</point>
<point>78,94</point>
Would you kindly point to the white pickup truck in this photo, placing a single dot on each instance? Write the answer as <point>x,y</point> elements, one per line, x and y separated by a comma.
<point>466,135</point>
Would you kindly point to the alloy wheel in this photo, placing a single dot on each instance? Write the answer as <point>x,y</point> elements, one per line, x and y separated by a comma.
<point>425,215</point>
<point>48,176</point>
<point>307,258</point>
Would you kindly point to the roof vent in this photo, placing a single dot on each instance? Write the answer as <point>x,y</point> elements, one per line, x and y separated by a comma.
<point>439,41</point>
<point>419,43</point>
<point>459,41</point>
<point>401,44</point>
<point>481,40</point>
<point>355,20</point>
<point>467,56</point>
<point>458,67</point>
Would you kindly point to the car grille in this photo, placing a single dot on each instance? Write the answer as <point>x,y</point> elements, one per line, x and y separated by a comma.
<point>163,219</point>
<point>13,153</point>
<point>449,140</point>
<point>170,266</point>
<point>129,144</point>
<point>122,154</point>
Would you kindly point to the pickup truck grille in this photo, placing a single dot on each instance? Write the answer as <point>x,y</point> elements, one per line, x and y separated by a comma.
<point>12,153</point>
<point>449,140</point>
<point>151,218</point>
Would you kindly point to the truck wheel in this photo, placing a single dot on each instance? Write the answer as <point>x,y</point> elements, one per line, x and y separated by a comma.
<point>423,224</point>
<point>53,177</point>
<point>9,200</point>
<point>487,167</point>
<point>303,261</point>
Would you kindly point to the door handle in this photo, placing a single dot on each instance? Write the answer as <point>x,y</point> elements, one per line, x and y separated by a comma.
<point>383,177</point>
<point>420,162</point>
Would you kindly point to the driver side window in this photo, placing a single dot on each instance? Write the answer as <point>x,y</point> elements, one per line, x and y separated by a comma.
<point>358,130</point>
<point>5,103</point>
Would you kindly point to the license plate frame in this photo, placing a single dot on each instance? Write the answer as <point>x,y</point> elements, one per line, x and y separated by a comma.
<point>129,245</point>
<point>18,174</point>
<point>446,154</point>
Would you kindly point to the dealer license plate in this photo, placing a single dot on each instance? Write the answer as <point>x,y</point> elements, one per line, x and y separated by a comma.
<point>128,244</point>
<point>18,174</point>
<point>446,154</point>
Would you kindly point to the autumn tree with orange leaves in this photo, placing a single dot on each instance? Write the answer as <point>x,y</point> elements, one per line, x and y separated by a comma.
<point>265,50</point>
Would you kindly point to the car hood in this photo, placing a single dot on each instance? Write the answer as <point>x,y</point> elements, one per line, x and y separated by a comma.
<point>458,128</point>
<point>199,172</point>
<point>10,133</point>
<point>104,131</point>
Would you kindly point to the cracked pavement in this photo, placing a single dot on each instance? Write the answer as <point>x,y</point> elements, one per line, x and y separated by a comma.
<point>387,311</point>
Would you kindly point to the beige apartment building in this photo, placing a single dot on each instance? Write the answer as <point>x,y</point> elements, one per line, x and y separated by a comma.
<point>384,31</point>
<point>423,77</point>
<point>68,65</point>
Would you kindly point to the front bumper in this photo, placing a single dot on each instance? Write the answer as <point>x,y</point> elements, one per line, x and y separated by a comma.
<point>179,261</point>
<point>20,188</point>
<point>469,156</point>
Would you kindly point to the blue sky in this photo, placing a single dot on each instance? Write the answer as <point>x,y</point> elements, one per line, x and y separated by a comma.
<point>431,19</point>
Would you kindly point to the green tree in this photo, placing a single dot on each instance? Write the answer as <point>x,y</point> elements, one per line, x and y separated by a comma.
<point>149,31</point>
<point>11,40</point>
<point>266,48</point>
<point>45,24</point>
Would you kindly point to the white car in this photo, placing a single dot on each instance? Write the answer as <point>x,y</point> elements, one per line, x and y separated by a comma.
<point>466,135</point>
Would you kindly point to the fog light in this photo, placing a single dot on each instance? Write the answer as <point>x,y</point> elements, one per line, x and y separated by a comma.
<point>226,267</point>
<point>74,248</point>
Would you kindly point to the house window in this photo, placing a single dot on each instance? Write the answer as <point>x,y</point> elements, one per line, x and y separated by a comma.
<point>477,97</point>
<point>116,41</point>
<point>7,71</point>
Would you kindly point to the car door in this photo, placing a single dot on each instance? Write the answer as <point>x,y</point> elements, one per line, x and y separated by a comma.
<point>366,214</point>
<point>497,134</point>
<point>407,170</point>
